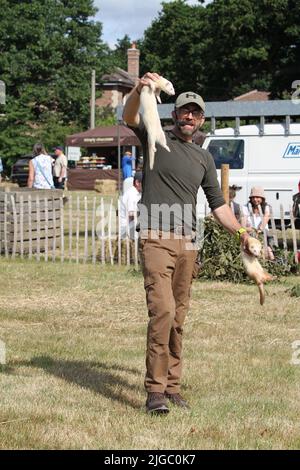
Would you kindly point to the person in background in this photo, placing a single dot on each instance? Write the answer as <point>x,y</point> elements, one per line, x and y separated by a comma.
<point>235,207</point>
<point>60,168</point>
<point>40,169</point>
<point>256,215</point>
<point>127,161</point>
<point>129,207</point>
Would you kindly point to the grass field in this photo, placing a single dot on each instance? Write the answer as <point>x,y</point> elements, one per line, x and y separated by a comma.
<point>75,344</point>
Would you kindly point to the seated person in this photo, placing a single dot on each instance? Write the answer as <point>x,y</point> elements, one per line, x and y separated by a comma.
<point>256,221</point>
<point>235,207</point>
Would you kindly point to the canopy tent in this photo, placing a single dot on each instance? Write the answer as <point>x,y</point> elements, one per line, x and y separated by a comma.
<point>110,136</point>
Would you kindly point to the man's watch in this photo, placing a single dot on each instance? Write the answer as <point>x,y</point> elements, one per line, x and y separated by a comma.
<point>239,232</point>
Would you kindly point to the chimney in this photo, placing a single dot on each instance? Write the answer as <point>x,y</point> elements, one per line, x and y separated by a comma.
<point>133,62</point>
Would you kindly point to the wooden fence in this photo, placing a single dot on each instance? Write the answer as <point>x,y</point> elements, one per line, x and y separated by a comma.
<point>81,229</point>
<point>57,228</point>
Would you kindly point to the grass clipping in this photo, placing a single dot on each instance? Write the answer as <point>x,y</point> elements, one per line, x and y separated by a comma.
<point>221,257</point>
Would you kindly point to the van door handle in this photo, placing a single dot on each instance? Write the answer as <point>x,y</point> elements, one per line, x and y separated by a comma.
<point>277,196</point>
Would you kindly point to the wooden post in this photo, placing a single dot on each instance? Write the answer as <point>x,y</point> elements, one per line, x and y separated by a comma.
<point>109,233</point>
<point>70,228</point>
<point>294,236</point>
<point>93,232</point>
<point>136,259</point>
<point>13,204</point>
<point>119,234</point>
<point>1,232</point>
<point>274,231</point>
<point>46,228</point>
<point>86,221</point>
<point>77,229</point>
<point>265,241</point>
<point>62,235</point>
<point>283,231</point>
<point>54,231</point>
<point>5,226</point>
<point>30,226</point>
<point>22,226</point>
<point>225,181</point>
<point>38,229</point>
<point>127,240</point>
<point>93,95</point>
<point>102,233</point>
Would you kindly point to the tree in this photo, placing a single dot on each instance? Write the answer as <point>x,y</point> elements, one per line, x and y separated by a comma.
<point>227,47</point>
<point>46,61</point>
<point>119,54</point>
<point>251,45</point>
<point>172,45</point>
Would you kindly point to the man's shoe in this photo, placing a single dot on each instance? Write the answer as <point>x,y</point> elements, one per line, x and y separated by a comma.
<point>156,403</point>
<point>177,400</point>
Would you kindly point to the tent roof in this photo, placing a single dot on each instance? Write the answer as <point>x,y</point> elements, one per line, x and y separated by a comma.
<point>103,137</point>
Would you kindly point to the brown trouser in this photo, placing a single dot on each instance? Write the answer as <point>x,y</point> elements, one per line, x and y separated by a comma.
<point>168,268</point>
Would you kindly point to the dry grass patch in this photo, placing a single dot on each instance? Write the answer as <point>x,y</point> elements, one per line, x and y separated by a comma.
<point>75,342</point>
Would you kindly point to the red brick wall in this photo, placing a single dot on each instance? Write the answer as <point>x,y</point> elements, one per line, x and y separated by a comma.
<point>110,98</point>
<point>133,66</point>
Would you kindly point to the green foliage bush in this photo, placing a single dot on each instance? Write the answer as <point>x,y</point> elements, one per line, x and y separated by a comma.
<point>295,291</point>
<point>221,257</point>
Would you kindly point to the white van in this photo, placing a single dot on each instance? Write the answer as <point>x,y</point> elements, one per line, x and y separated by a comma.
<point>270,159</point>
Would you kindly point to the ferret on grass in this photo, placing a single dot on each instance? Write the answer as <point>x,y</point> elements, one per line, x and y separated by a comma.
<point>253,268</point>
<point>149,95</point>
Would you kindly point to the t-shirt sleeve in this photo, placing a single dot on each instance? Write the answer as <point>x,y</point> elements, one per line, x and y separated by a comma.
<point>210,185</point>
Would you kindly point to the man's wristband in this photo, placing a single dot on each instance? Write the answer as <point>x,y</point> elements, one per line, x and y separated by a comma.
<point>239,232</point>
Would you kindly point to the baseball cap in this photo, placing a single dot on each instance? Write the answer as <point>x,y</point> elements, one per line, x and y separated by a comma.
<point>189,97</point>
<point>58,148</point>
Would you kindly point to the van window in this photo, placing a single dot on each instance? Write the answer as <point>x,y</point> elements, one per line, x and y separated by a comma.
<point>228,151</point>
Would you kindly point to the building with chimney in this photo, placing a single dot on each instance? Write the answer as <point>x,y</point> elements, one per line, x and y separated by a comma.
<point>119,83</point>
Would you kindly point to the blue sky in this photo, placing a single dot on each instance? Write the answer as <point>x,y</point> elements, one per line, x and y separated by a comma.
<point>132,17</point>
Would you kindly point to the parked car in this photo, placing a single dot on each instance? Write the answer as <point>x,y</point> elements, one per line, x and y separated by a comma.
<point>20,170</point>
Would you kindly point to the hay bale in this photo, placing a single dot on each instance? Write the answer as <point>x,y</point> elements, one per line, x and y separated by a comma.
<point>106,186</point>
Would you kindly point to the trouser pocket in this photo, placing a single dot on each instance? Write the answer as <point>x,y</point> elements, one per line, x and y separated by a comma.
<point>161,307</point>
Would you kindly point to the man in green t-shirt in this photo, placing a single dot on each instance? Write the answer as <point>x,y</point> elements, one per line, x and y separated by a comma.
<point>167,224</point>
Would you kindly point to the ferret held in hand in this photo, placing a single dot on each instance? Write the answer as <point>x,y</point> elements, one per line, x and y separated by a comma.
<point>253,268</point>
<point>149,95</point>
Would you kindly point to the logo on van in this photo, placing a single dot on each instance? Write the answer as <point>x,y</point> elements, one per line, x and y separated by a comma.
<point>292,150</point>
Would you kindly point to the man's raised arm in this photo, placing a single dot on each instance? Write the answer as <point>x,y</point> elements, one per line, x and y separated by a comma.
<point>131,109</point>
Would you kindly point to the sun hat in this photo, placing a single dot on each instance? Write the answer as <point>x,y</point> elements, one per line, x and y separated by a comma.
<point>257,191</point>
<point>189,97</point>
